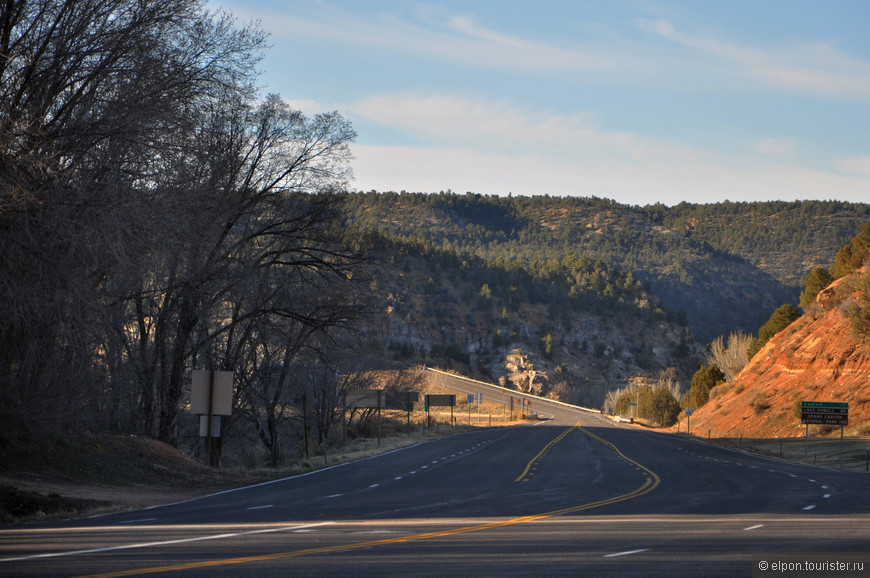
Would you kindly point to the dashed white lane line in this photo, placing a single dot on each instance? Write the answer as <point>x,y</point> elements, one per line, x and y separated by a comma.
<point>810,507</point>
<point>426,467</point>
<point>755,527</point>
<point>162,543</point>
<point>826,496</point>
<point>627,553</point>
<point>264,507</point>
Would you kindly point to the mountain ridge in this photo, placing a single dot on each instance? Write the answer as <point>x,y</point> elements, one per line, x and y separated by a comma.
<point>727,266</point>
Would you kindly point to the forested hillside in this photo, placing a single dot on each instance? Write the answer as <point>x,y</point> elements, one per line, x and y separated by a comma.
<point>574,329</point>
<point>721,267</point>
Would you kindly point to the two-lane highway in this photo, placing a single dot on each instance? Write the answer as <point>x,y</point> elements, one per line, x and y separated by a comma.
<point>573,494</point>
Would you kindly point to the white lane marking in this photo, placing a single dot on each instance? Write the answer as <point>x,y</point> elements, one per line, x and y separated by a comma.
<point>397,478</point>
<point>755,527</point>
<point>824,487</point>
<point>826,496</point>
<point>812,480</point>
<point>628,553</point>
<point>138,521</point>
<point>163,543</point>
<point>810,507</point>
<point>374,486</point>
<point>261,507</point>
<point>334,496</point>
<point>792,476</point>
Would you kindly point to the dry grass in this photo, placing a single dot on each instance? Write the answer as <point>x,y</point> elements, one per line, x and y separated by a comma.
<point>850,454</point>
<point>80,476</point>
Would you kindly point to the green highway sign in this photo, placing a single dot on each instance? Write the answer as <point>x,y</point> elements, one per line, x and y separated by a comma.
<point>825,413</point>
<point>824,404</point>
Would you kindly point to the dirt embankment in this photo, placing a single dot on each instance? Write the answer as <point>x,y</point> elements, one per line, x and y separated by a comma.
<point>76,477</point>
<point>817,358</point>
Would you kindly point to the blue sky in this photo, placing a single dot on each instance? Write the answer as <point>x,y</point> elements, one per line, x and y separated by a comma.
<point>641,101</point>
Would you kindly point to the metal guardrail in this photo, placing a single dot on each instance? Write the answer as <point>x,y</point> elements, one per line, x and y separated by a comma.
<point>499,389</point>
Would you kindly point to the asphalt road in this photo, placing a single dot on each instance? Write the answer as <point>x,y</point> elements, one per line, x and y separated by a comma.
<point>572,495</point>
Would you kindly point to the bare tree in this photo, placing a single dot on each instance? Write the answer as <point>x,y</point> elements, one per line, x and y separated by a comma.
<point>160,216</point>
<point>731,356</point>
<point>92,96</point>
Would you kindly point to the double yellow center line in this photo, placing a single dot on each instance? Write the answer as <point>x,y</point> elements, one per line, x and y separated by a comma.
<point>651,480</point>
<point>523,477</point>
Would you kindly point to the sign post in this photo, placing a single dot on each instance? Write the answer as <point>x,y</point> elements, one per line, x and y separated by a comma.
<point>211,395</point>
<point>441,401</point>
<point>408,398</point>
<point>366,399</point>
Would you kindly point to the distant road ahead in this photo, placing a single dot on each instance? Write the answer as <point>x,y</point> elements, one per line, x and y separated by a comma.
<point>554,498</point>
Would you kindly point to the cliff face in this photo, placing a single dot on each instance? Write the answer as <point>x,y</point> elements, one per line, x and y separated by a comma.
<point>816,358</point>
<point>591,354</point>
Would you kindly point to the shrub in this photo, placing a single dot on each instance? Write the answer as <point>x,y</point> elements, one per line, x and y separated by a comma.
<point>796,407</point>
<point>759,403</point>
<point>664,409</point>
<point>704,380</point>
<point>784,316</point>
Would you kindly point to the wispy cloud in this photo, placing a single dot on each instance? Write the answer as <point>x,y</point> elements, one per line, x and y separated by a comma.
<point>781,147</point>
<point>501,126</point>
<point>814,68</point>
<point>857,165</point>
<point>495,147</point>
<point>454,38</point>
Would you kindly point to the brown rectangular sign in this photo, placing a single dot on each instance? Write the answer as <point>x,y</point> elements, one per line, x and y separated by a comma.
<point>403,400</point>
<point>364,398</point>
<point>220,391</point>
<point>441,400</point>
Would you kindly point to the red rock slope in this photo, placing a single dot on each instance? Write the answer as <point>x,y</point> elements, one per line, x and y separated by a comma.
<point>816,358</point>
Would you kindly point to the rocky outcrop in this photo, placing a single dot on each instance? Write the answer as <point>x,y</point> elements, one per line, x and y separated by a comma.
<point>817,358</point>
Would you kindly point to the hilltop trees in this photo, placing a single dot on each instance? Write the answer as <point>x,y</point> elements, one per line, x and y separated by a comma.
<point>779,320</point>
<point>815,281</point>
<point>859,312</point>
<point>852,255</point>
